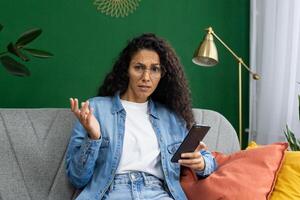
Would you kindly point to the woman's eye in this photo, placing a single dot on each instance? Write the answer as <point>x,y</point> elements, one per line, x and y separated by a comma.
<point>155,69</point>
<point>138,67</point>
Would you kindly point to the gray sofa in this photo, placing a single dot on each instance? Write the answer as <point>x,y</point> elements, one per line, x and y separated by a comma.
<point>33,144</point>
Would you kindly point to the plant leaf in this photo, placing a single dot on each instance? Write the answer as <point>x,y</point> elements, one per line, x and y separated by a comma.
<point>286,134</point>
<point>28,36</point>
<point>292,137</point>
<point>14,67</point>
<point>14,50</point>
<point>298,141</point>
<point>293,142</point>
<point>1,27</point>
<point>289,137</point>
<point>38,53</point>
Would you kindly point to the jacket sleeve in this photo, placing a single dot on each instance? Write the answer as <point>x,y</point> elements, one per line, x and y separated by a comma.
<point>210,164</point>
<point>81,156</point>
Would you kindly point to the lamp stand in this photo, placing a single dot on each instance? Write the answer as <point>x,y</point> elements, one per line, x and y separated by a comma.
<point>240,64</point>
<point>240,105</point>
<point>207,55</point>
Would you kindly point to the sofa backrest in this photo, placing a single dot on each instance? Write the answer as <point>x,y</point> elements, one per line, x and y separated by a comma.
<point>221,136</point>
<point>32,147</point>
<point>33,143</point>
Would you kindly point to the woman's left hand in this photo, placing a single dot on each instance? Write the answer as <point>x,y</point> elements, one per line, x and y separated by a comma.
<point>194,159</point>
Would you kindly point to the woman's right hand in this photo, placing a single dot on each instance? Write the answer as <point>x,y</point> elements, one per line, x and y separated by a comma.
<point>86,118</point>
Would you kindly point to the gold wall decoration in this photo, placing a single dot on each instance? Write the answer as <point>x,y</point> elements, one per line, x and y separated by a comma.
<point>116,8</point>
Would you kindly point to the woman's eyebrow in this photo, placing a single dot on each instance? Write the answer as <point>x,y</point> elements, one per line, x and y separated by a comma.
<point>154,64</point>
<point>139,63</point>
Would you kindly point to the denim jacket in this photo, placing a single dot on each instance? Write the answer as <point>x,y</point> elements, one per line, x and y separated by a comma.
<point>91,164</point>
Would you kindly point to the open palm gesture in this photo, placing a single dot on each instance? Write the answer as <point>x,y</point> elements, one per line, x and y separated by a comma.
<point>86,118</point>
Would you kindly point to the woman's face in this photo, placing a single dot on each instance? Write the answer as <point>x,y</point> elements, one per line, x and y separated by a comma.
<point>144,73</point>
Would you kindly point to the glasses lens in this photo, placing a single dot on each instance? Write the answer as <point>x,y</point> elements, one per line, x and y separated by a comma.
<point>155,71</point>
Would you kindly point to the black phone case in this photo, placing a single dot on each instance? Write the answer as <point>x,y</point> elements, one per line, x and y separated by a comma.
<point>191,141</point>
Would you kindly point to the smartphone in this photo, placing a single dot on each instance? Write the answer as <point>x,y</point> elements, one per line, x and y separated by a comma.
<point>191,141</point>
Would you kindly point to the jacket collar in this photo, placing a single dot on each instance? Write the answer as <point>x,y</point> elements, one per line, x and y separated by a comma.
<point>118,107</point>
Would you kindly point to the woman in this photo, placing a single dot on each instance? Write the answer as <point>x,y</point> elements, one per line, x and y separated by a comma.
<point>123,141</point>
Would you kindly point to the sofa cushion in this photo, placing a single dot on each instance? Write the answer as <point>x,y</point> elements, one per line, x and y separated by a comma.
<point>248,174</point>
<point>287,185</point>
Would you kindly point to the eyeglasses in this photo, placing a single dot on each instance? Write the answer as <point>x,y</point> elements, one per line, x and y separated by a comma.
<point>155,71</point>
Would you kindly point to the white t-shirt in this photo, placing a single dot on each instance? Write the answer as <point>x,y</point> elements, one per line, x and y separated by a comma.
<point>140,147</point>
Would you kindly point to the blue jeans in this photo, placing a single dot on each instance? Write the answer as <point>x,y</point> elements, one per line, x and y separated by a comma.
<point>137,186</point>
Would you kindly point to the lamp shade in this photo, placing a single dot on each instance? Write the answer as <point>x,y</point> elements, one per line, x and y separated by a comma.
<point>206,54</point>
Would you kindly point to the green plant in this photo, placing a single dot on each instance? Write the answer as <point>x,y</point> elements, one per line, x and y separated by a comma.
<point>20,50</point>
<point>294,143</point>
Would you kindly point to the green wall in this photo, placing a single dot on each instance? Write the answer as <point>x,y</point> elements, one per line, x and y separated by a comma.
<point>86,42</point>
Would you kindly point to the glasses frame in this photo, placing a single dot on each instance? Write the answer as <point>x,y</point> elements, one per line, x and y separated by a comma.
<point>144,69</point>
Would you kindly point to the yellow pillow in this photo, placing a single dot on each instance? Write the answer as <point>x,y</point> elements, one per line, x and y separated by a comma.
<point>287,185</point>
<point>252,145</point>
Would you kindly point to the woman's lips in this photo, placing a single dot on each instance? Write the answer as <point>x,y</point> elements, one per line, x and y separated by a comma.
<point>144,88</point>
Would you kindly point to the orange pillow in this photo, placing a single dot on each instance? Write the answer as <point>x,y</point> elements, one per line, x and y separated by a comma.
<point>247,174</point>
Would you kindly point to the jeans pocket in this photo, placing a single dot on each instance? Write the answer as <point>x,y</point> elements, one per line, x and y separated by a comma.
<point>154,185</point>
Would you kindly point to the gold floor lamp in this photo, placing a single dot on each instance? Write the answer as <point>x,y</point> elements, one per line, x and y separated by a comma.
<point>207,55</point>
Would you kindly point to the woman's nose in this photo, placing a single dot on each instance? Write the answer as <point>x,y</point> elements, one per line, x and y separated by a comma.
<point>146,75</point>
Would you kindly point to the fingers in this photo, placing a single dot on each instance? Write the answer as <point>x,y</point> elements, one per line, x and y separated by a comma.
<point>193,160</point>
<point>197,164</point>
<point>90,113</point>
<point>82,113</point>
<point>190,161</point>
<point>71,104</point>
<point>85,110</point>
<point>74,106</point>
<point>85,107</point>
<point>194,154</point>
<point>201,146</point>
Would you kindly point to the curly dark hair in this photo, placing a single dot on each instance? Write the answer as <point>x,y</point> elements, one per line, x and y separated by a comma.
<point>172,90</point>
